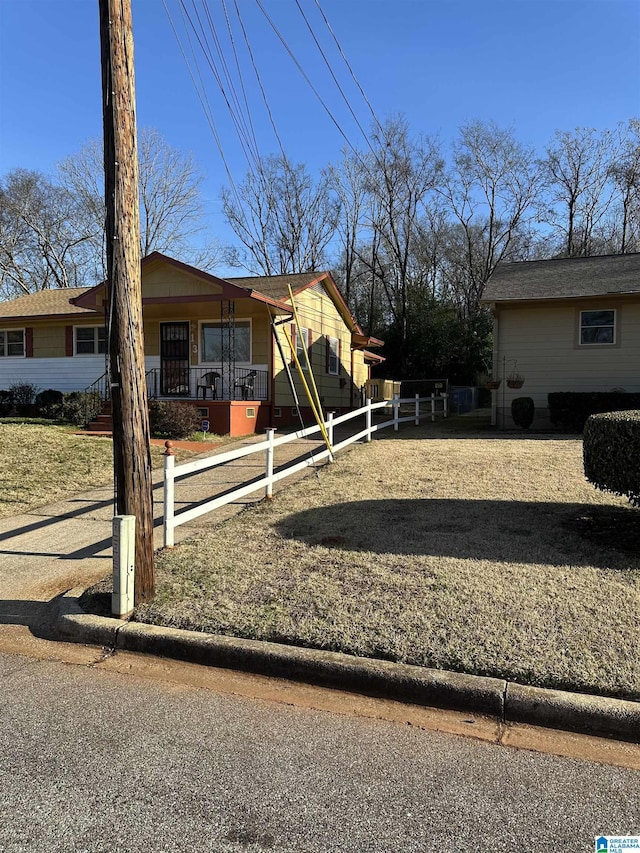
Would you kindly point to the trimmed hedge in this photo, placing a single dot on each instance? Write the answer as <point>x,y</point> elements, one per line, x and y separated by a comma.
<point>173,419</point>
<point>523,411</point>
<point>611,453</point>
<point>569,410</point>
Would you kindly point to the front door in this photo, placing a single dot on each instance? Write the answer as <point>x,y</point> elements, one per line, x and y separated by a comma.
<point>174,359</point>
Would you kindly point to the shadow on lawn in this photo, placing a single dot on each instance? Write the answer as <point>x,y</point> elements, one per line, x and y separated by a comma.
<point>499,531</point>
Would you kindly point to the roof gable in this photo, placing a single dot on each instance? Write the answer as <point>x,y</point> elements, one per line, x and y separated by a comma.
<point>564,278</point>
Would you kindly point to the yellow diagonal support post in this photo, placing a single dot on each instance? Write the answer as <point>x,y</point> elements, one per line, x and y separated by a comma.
<point>317,415</point>
<point>306,354</point>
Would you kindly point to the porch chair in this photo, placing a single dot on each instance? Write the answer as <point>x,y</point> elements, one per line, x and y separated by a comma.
<point>208,380</point>
<point>246,384</point>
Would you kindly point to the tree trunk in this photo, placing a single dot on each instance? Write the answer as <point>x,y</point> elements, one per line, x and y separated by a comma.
<point>131,452</point>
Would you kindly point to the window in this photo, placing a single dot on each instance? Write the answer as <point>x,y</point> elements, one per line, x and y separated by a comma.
<point>302,344</point>
<point>12,343</point>
<point>333,356</point>
<point>91,340</point>
<point>597,327</point>
<point>215,340</point>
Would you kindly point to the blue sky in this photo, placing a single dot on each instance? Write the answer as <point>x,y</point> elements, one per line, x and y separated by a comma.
<point>534,65</point>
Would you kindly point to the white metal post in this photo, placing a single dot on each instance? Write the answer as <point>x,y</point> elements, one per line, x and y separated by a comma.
<point>445,398</point>
<point>396,412</point>
<point>369,413</point>
<point>433,408</point>
<point>124,542</point>
<point>268,492</point>
<point>169,495</point>
<point>330,416</point>
<point>417,409</point>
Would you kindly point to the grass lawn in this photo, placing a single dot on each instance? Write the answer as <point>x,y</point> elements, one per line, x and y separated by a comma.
<point>482,554</point>
<point>42,463</point>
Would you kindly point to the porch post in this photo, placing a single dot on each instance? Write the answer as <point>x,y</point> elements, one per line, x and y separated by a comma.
<point>368,415</point>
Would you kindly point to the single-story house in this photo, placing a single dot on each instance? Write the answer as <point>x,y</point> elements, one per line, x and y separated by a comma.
<point>218,344</point>
<point>568,324</point>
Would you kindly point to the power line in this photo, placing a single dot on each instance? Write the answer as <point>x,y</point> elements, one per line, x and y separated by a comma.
<point>335,79</point>
<point>346,62</point>
<point>305,76</point>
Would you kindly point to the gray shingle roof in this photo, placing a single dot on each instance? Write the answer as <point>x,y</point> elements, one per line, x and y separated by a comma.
<point>564,278</point>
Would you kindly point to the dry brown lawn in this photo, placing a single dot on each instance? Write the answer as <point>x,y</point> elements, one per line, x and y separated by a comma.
<point>41,464</point>
<point>468,553</point>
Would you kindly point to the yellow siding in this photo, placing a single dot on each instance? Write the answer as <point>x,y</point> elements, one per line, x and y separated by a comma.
<point>165,280</point>
<point>318,313</point>
<point>200,312</point>
<point>48,341</point>
<point>543,339</point>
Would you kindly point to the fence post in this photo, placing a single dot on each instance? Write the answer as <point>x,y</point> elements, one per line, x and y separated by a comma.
<point>268,492</point>
<point>124,533</point>
<point>330,416</point>
<point>396,412</point>
<point>369,413</point>
<point>417,409</point>
<point>169,492</point>
<point>445,398</point>
<point>433,408</point>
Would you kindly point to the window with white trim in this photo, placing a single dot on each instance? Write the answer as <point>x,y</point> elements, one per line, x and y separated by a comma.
<point>597,327</point>
<point>302,344</point>
<point>90,340</point>
<point>333,356</point>
<point>12,343</point>
<point>214,342</point>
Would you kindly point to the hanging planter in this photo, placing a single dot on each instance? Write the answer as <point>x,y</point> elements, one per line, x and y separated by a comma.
<point>492,384</point>
<point>515,379</point>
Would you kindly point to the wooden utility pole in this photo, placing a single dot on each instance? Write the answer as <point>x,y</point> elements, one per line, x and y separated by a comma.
<point>131,453</point>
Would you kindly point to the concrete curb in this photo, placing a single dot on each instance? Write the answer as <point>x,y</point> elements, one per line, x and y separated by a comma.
<point>508,701</point>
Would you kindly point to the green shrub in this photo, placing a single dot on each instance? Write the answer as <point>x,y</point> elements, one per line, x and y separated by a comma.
<point>80,407</point>
<point>49,403</point>
<point>611,453</point>
<point>569,410</point>
<point>523,411</point>
<point>172,419</point>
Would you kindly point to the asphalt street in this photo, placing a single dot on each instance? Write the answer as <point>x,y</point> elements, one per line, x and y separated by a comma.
<point>93,760</point>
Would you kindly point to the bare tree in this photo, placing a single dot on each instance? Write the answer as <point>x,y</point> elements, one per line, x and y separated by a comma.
<point>625,174</point>
<point>577,171</point>
<point>43,240</point>
<point>490,190</point>
<point>400,176</point>
<point>282,218</point>
<point>171,205</point>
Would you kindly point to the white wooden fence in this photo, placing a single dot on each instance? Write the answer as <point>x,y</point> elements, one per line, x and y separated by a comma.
<point>172,472</point>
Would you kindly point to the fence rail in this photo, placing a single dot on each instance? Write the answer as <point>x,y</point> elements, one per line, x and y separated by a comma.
<point>438,405</point>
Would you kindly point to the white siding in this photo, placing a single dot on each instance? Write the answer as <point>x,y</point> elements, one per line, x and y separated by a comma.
<point>62,374</point>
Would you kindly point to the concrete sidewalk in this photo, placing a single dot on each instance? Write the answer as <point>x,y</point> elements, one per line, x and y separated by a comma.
<point>67,544</point>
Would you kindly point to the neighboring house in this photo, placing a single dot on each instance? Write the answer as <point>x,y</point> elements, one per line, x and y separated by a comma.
<point>207,341</point>
<point>570,324</point>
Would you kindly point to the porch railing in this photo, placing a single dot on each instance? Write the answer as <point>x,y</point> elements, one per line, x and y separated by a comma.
<point>207,383</point>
